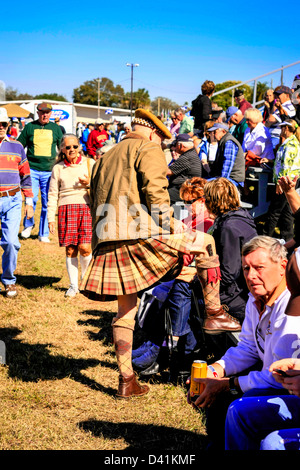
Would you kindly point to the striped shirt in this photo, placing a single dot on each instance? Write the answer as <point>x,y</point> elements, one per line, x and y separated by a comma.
<point>275,129</point>
<point>14,167</point>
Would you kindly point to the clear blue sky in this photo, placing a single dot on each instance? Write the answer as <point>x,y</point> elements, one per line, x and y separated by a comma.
<point>56,46</point>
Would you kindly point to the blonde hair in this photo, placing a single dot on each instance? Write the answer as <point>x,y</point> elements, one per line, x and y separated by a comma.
<point>294,127</point>
<point>221,196</point>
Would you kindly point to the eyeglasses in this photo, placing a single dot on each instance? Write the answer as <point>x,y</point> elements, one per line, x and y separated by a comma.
<point>4,124</point>
<point>69,147</point>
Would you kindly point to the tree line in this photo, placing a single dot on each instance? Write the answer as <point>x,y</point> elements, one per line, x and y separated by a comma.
<point>104,92</point>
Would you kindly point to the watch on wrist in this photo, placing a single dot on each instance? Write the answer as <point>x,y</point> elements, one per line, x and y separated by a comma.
<point>232,387</point>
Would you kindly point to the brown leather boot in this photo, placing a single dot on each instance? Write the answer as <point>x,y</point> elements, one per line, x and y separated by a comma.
<point>129,387</point>
<point>219,321</point>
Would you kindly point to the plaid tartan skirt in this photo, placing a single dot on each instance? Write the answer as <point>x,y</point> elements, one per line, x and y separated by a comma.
<point>130,266</point>
<point>74,224</point>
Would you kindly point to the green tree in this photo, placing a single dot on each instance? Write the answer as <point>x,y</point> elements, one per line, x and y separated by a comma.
<point>261,88</point>
<point>12,94</point>
<point>110,95</point>
<point>160,104</point>
<point>50,96</point>
<point>225,99</point>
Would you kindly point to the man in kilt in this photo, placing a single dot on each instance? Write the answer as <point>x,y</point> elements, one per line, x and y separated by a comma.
<point>135,239</point>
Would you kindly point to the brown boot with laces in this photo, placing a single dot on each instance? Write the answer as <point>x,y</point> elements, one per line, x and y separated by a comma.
<point>219,321</point>
<point>129,387</point>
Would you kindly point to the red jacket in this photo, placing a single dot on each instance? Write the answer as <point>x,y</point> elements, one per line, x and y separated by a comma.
<point>95,140</point>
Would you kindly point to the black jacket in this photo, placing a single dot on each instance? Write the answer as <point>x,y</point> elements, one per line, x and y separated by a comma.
<point>230,231</point>
<point>201,110</point>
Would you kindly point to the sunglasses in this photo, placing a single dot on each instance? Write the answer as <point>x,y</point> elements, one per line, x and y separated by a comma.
<point>191,201</point>
<point>69,147</point>
<point>4,124</point>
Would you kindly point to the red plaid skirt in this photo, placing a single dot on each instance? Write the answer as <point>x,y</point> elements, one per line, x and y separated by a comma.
<point>74,224</point>
<point>126,267</point>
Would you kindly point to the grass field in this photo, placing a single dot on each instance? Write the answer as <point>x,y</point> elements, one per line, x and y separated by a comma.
<point>58,383</point>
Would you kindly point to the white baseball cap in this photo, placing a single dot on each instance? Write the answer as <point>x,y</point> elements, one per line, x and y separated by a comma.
<point>3,115</point>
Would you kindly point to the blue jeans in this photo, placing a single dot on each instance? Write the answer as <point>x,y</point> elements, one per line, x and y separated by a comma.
<point>254,423</point>
<point>10,216</point>
<point>40,182</point>
<point>180,304</point>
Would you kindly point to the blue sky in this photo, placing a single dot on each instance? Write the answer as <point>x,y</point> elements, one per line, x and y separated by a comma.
<point>55,47</point>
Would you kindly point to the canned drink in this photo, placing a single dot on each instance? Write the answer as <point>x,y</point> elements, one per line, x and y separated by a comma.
<point>199,371</point>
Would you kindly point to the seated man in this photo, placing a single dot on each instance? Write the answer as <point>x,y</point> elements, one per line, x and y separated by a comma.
<point>266,423</point>
<point>257,143</point>
<point>241,125</point>
<point>241,102</point>
<point>229,161</point>
<point>267,335</point>
<point>186,166</point>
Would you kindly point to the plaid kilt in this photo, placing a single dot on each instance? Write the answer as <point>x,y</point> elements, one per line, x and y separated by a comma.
<point>74,224</point>
<point>130,266</point>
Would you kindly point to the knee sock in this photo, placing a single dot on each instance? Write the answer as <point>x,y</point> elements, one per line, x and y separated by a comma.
<point>123,337</point>
<point>84,262</point>
<point>72,268</point>
<point>208,271</point>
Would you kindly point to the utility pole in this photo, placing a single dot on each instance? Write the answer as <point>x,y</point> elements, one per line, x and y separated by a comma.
<point>98,97</point>
<point>131,95</point>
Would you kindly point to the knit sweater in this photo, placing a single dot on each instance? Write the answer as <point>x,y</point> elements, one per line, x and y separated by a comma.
<point>65,187</point>
<point>14,168</point>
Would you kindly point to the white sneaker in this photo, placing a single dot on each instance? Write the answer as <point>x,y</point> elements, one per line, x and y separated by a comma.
<point>11,290</point>
<point>26,232</point>
<point>71,292</point>
<point>44,239</point>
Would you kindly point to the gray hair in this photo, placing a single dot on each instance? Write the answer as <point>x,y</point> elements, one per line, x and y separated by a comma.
<point>276,249</point>
<point>60,155</point>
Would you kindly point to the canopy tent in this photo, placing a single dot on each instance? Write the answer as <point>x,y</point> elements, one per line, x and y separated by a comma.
<point>14,110</point>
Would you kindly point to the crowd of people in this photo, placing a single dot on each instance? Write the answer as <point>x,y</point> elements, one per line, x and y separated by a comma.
<point>115,190</point>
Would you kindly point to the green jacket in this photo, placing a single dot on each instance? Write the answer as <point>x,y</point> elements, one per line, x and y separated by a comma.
<point>239,131</point>
<point>42,143</point>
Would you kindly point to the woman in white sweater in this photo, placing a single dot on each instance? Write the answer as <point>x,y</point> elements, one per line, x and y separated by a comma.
<point>69,191</point>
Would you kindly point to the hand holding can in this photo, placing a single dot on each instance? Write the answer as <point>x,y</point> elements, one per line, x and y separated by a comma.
<point>199,371</point>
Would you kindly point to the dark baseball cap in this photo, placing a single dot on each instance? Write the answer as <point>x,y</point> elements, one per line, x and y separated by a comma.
<point>44,107</point>
<point>238,93</point>
<point>282,89</point>
<point>183,138</point>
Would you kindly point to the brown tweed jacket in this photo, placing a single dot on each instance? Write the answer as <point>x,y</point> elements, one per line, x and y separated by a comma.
<point>128,192</point>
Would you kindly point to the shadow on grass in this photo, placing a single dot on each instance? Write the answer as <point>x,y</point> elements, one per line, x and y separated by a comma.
<point>33,362</point>
<point>34,282</point>
<point>102,320</point>
<point>147,437</point>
